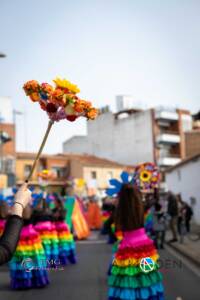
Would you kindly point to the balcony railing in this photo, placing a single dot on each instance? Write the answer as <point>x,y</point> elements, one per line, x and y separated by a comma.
<point>168,138</point>
<point>168,161</point>
<point>166,115</point>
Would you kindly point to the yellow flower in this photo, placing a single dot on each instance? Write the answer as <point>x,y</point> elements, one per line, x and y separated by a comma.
<point>65,84</point>
<point>145,176</point>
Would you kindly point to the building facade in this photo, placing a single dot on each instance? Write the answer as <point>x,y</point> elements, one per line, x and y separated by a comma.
<point>134,136</point>
<point>7,142</point>
<point>184,179</point>
<point>90,172</point>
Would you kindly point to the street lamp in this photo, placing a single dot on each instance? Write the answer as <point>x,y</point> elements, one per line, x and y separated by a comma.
<point>2,55</point>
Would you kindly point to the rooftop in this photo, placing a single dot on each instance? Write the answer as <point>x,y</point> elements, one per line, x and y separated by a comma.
<point>183,162</point>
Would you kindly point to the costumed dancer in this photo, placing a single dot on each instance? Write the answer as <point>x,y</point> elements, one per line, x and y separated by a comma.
<point>94,215</point>
<point>42,219</point>
<point>28,265</point>
<point>134,272</point>
<point>65,238</point>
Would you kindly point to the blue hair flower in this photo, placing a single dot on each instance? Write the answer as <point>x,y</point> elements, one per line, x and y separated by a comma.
<point>117,185</point>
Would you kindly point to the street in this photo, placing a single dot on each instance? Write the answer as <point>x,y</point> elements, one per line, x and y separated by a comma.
<point>87,279</point>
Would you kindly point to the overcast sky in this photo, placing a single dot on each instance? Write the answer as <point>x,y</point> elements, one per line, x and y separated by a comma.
<point>146,48</point>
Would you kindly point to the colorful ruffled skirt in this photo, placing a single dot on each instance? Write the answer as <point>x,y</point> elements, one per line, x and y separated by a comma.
<point>148,223</point>
<point>28,264</point>
<point>134,272</point>
<point>66,243</point>
<point>49,237</point>
<point>2,225</point>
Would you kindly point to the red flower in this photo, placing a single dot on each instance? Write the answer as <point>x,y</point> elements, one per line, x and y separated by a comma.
<point>51,108</point>
<point>71,118</point>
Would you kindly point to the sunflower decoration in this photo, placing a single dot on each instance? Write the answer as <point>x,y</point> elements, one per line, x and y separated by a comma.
<point>147,176</point>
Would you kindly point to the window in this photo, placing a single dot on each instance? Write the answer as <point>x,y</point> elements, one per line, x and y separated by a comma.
<point>27,170</point>
<point>93,174</point>
<point>60,172</point>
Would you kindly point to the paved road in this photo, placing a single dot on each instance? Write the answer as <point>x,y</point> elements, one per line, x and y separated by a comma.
<point>87,279</point>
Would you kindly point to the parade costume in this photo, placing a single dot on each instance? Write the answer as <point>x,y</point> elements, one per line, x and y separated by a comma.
<point>49,237</point>
<point>28,264</point>
<point>66,242</point>
<point>127,279</point>
<point>148,222</point>
<point>134,274</point>
<point>48,234</point>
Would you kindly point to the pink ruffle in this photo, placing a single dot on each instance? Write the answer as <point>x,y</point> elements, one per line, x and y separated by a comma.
<point>28,231</point>
<point>135,238</point>
<point>61,226</point>
<point>44,226</point>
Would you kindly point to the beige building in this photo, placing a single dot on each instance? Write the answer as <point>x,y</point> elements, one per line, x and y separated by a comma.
<point>84,172</point>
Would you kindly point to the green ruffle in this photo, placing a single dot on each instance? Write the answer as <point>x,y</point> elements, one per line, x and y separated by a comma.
<point>142,280</point>
<point>129,271</point>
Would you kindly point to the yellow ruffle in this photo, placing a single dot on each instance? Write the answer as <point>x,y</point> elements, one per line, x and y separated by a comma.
<point>132,261</point>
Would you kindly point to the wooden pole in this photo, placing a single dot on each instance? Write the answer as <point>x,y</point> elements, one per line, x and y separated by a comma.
<point>40,150</point>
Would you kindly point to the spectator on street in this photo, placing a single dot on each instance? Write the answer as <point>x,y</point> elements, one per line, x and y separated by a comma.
<point>180,218</point>
<point>188,213</point>
<point>173,213</point>
<point>159,225</point>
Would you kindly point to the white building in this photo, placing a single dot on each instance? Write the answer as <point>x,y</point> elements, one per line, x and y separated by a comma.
<point>6,111</point>
<point>184,179</point>
<point>134,136</point>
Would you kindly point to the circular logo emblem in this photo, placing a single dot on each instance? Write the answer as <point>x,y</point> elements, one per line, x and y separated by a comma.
<point>147,264</point>
<point>27,264</point>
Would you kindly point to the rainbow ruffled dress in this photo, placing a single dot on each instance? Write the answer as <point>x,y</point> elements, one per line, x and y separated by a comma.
<point>66,243</point>
<point>148,222</point>
<point>49,237</point>
<point>130,278</point>
<point>2,225</point>
<point>28,264</point>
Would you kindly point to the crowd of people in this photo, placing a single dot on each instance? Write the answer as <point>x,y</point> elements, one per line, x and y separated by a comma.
<point>135,223</point>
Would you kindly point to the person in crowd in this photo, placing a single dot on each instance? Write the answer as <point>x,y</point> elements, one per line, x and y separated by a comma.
<point>14,224</point>
<point>188,213</point>
<point>180,218</point>
<point>43,223</point>
<point>159,225</point>
<point>65,238</point>
<point>173,213</point>
<point>28,264</point>
<point>134,271</point>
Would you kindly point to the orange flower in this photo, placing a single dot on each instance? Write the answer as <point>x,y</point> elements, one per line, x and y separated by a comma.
<point>58,97</point>
<point>79,106</point>
<point>47,88</point>
<point>31,86</point>
<point>92,113</point>
<point>34,97</point>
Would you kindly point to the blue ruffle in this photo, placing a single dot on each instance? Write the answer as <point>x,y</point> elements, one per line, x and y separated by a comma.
<point>139,293</point>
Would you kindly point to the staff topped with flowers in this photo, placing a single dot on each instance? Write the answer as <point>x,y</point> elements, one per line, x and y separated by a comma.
<point>60,102</point>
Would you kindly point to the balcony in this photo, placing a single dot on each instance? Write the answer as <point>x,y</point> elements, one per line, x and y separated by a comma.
<point>166,115</point>
<point>168,138</point>
<point>168,161</point>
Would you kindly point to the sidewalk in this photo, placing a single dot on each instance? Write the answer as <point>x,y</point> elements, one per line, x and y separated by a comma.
<point>189,249</point>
